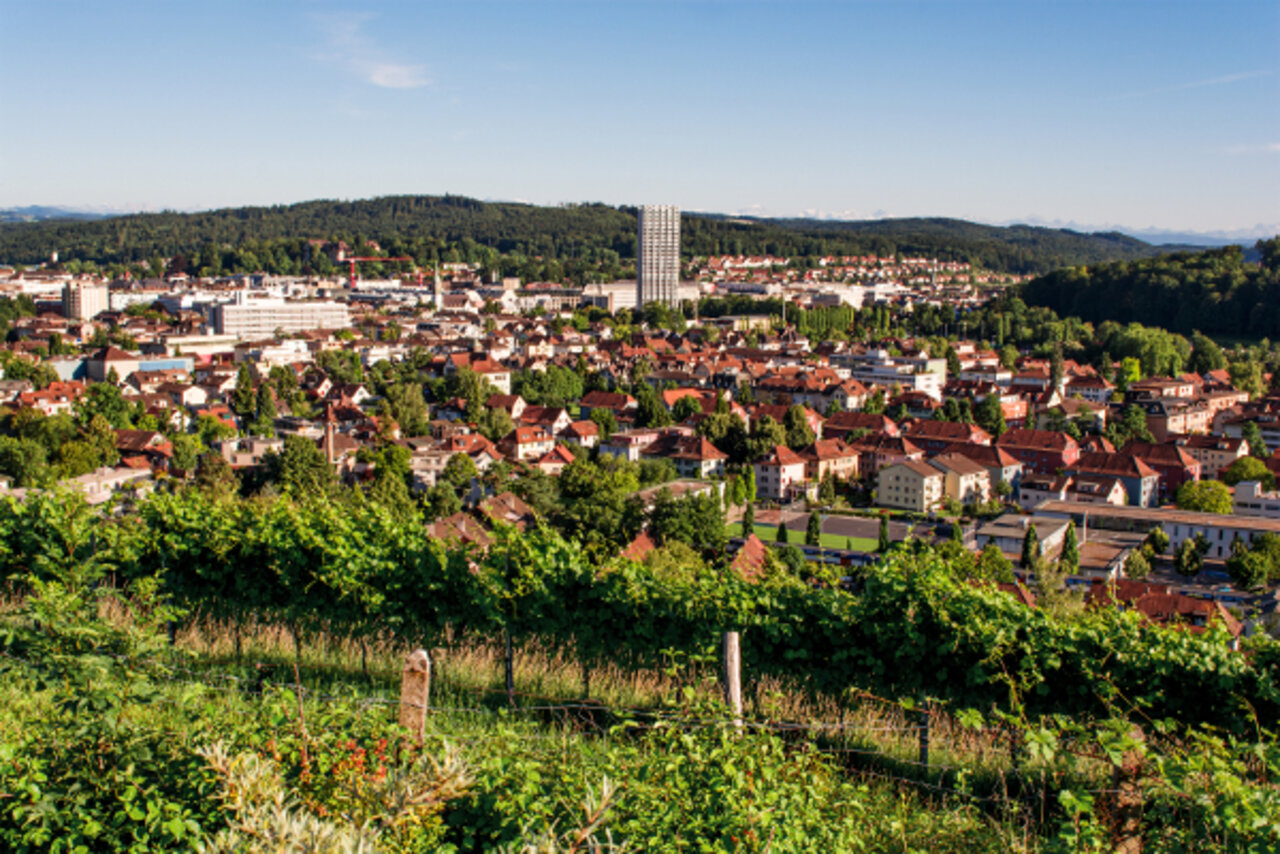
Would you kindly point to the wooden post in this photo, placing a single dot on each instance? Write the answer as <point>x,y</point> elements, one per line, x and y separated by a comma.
<point>509,660</point>
<point>732,675</point>
<point>415,692</point>
<point>924,736</point>
<point>1127,808</point>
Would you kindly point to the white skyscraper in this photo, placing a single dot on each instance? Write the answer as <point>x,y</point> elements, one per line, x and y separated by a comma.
<point>658,258</point>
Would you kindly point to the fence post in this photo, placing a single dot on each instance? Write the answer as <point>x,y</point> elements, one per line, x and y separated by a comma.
<point>415,692</point>
<point>924,736</point>
<point>732,675</point>
<point>1127,813</point>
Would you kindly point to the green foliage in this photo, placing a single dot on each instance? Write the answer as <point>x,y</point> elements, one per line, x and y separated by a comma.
<point>1204,496</point>
<point>1249,468</point>
<point>1031,550</point>
<point>1213,291</point>
<point>813,530</point>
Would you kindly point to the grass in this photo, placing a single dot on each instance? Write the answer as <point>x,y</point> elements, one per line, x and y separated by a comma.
<point>769,533</point>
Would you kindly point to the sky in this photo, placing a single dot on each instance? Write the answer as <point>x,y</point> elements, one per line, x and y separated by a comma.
<point>1141,115</point>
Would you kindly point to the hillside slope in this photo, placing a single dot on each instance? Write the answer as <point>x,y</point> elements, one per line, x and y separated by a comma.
<point>423,224</point>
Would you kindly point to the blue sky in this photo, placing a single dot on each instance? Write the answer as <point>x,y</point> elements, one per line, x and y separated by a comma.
<point>1147,114</point>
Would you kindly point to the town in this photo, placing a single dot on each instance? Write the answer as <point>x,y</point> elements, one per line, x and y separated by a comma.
<point>782,411</point>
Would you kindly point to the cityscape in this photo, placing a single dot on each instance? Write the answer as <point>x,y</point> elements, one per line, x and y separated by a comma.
<point>400,520</point>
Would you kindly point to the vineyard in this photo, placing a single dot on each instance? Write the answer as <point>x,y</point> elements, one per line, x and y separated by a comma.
<point>223,671</point>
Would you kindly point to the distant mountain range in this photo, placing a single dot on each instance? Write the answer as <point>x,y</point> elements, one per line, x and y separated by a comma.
<point>36,213</point>
<point>425,225</point>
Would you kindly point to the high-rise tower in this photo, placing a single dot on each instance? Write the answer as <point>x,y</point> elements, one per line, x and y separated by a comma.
<point>658,256</point>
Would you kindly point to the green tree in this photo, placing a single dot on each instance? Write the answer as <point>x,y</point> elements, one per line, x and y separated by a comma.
<point>605,422</point>
<point>243,401</point>
<point>302,470</point>
<point>459,471</point>
<point>265,423</point>
<point>989,415</point>
<point>1069,558</point>
<point>1204,496</point>
<point>992,565</point>
<point>1252,434</point>
<point>1249,468</point>
<point>1188,560</point>
<point>685,408</point>
<point>214,475</point>
<point>1157,540</point>
<point>813,531</point>
<point>1137,566</point>
<point>1206,355</point>
<point>186,452</point>
<point>782,531</point>
<point>1031,551</point>
<point>749,520</point>
<point>884,542</point>
<point>798,432</point>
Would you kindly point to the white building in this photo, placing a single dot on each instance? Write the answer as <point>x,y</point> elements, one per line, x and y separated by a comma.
<point>262,318</point>
<point>658,255</point>
<point>1251,500</point>
<point>85,300</point>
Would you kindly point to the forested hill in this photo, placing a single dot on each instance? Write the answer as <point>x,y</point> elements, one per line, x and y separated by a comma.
<point>1216,292</point>
<point>596,233</point>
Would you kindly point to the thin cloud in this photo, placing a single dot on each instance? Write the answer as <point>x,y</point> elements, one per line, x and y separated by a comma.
<point>1195,84</point>
<point>348,46</point>
<point>1262,148</point>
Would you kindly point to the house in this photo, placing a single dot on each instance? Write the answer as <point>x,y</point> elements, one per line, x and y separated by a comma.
<point>1162,606</point>
<point>460,529</point>
<point>751,560</point>
<point>1088,489</point>
<point>841,424</point>
<point>830,458</point>
<point>102,484</point>
<point>1141,482</point>
<point>555,461</point>
<point>965,481</point>
<point>910,485</point>
<point>527,443</point>
<point>508,509</point>
<point>1042,451</point>
<point>1174,465</point>
<point>1214,453</point>
<point>877,450</point>
<point>554,419</point>
<point>614,402</point>
<point>513,404</point>
<point>933,437</point>
<point>1001,466</point>
<point>693,456</point>
<point>780,476</point>
<point>584,433</point>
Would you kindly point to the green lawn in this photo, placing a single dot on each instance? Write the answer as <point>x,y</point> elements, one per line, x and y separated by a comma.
<point>769,533</point>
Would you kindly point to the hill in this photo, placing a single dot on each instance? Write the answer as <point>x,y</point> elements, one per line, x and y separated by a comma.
<point>592,233</point>
<point>1216,292</point>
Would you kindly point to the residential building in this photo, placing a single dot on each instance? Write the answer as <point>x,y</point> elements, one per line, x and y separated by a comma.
<point>658,255</point>
<point>1042,451</point>
<point>910,485</point>
<point>1214,453</point>
<point>830,458</point>
<point>964,480</point>
<point>85,300</point>
<point>1141,481</point>
<point>780,476</point>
